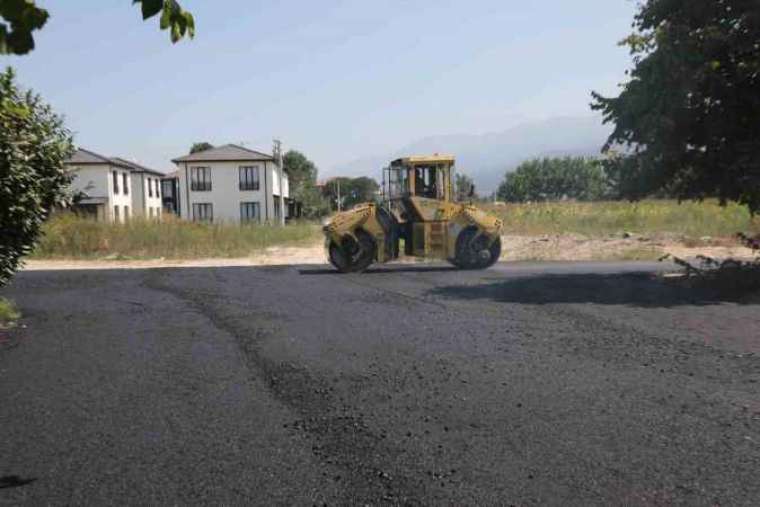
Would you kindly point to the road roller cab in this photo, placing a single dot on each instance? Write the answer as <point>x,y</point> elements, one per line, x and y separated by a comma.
<point>417,209</point>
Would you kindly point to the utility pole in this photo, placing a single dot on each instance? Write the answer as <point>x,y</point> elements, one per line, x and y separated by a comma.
<point>278,156</point>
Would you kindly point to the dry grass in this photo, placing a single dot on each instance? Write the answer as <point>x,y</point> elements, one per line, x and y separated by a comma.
<point>577,230</point>
<point>69,237</point>
<point>687,220</point>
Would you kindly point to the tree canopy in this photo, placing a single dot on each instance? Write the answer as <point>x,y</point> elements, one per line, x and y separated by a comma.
<point>299,168</point>
<point>302,177</point>
<point>464,188</point>
<point>201,146</point>
<point>21,18</point>
<point>353,191</point>
<point>33,148</point>
<point>688,115</point>
<point>552,179</point>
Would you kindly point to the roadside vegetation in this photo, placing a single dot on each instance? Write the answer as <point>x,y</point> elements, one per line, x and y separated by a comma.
<point>66,236</point>
<point>553,179</point>
<point>687,220</point>
<point>567,230</point>
<point>9,314</point>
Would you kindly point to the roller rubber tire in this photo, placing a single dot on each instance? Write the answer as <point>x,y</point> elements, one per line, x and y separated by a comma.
<point>467,251</point>
<point>351,257</point>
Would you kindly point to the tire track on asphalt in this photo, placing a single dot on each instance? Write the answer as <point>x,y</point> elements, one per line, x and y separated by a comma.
<point>343,441</point>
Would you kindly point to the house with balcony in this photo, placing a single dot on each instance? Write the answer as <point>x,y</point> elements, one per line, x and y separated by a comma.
<point>230,183</point>
<point>103,186</point>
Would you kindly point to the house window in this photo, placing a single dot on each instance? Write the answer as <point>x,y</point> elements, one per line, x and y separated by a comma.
<point>126,212</point>
<point>249,212</point>
<point>158,188</point>
<point>125,183</point>
<point>276,200</point>
<point>249,177</point>
<point>116,213</point>
<point>150,188</point>
<point>200,179</point>
<point>115,182</point>
<point>203,212</point>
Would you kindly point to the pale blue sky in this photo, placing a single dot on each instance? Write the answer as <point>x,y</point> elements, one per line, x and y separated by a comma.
<point>336,79</point>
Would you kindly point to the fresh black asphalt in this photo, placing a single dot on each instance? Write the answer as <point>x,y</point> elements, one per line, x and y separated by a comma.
<point>526,384</point>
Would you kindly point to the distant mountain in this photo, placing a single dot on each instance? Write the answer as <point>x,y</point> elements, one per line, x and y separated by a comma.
<point>487,157</point>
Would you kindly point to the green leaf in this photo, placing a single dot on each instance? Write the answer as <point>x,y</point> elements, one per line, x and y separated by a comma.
<point>22,18</point>
<point>151,7</point>
<point>176,33</point>
<point>166,19</point>
<point>3,44</point>
<point>190,20</point>
<point>21,41</point>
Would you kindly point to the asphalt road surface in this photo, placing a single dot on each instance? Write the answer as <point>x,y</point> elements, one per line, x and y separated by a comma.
<point>527,384</point>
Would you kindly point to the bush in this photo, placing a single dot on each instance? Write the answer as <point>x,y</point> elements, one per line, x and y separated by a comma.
<point>552,179</point>
<point>33,148</point>
<point>9,314</point>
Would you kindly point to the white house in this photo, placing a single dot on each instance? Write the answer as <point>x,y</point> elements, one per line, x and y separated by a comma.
<point>230,184</point>
<point>146,185</point>
<point>105,185</point>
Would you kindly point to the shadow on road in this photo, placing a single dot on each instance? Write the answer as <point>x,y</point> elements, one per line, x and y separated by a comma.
<point>635,289</point>
<point>14,481</point>
<point>386,269</point>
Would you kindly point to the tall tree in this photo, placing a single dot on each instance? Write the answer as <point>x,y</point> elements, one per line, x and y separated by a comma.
<point>688,115</point>
<point>362,189</point>
<point>33,148</point>
<point>464,188</point>
<point>201,146</point>
<point>353,191</point>
<point>302,178</point>
<point>299,168</point>
<point>20,18</point>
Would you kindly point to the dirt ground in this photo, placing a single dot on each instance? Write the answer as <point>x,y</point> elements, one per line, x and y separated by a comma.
<point>567,247</point>
<point>574,247</point>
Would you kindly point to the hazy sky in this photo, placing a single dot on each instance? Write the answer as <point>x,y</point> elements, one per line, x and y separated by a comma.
<point>336,79</point>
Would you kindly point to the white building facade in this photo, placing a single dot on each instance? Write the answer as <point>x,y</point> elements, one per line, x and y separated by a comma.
<point>103,184</point>
<point>231,184</point>
<point>146,186</point>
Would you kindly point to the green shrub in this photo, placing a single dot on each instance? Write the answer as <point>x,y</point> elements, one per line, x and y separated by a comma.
<point>9,314</point>
<point>33,148</point>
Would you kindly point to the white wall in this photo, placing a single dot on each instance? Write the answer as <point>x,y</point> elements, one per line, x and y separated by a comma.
<point>225,195</point>
<point>275,172</point>
<point>97,181</point>
<point>91,180</point>
<point>144,204</point>
<point>153,202</point>
<point>122,200</point>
